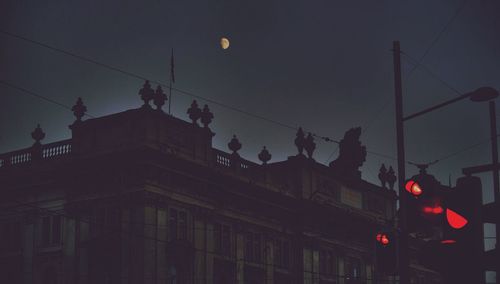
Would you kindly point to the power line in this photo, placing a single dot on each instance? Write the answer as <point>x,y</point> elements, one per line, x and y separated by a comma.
<point>135,75</point>
<point>378,114</point>
<point>416,63</point>
<point>438,37</point>
<point>38,96</point>
<point>107,66</point>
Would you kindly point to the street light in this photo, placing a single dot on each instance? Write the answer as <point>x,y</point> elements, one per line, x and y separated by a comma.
<point>483,94</point>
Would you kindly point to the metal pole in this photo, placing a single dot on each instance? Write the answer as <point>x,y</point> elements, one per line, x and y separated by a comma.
<point>459,98</point>
<point>496,186</point>
<point>404,271</point>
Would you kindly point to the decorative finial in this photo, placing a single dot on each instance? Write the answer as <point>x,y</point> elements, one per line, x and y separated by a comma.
<point>159,98</point>
<point>234,145</point>
<point>146,94</point>
<point>206,116</point>
<point>79,109</point>
<point>264,156</point>
<point>309,145</point>
<point>382,175</point>
<point>38,134</point>
<point>300,140</point>
<point>194,112</point>
<point>391,178</point>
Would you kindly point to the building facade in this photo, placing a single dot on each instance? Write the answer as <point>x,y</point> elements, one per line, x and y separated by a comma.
<point>143,197</point>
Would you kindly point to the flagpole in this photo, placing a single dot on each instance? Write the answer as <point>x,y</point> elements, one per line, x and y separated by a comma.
<point>172,80</point>
<point>170,97</point>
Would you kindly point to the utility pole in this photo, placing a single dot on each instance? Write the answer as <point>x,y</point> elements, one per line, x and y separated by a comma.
<point>403,261</point>
<point>496,185</point>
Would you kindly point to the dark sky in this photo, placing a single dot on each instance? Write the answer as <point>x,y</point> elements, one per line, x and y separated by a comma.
<point>323,65</point>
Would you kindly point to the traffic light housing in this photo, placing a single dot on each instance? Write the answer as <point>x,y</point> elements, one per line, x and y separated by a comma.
<point>385,252</point>
<point>424,205</point>
<point>458,253</point>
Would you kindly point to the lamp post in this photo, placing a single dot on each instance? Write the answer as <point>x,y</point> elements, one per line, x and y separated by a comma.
<point>480,95</point>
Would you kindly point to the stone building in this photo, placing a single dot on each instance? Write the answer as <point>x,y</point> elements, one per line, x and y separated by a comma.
<point>143,197</point>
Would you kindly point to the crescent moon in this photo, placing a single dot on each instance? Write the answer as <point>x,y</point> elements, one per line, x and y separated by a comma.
<point>224,43</point>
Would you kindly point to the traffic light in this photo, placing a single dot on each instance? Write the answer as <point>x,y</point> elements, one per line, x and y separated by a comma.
<point>458,254</point>
<point>385,252</point>
<point>463,210</point>
<point>424,205</point>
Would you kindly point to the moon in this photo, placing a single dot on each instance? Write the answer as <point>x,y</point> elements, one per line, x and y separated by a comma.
<point>224,43</point>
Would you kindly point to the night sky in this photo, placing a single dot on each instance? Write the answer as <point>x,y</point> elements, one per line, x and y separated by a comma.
<point>322,65</point>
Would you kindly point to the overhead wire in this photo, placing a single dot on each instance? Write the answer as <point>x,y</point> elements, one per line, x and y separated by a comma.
<point>131,74</point>
<point>436,39</point>
<point>144,78</point>
<point>26,91</point>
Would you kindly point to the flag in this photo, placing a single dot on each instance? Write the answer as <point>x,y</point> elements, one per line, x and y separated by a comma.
<point>172,76</point>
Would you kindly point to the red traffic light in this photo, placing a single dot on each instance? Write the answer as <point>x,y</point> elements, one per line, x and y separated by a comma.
<point>433,210</point>
<point>455,220</point>
<point>413,188</point>
<point>383,239</point>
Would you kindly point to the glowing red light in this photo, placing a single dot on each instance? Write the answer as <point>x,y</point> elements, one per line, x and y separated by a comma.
<point>437,210</point>
<point>413,188</point>
<point>383,239</point>
<point>455,220</point>
<point>448,242</point>
<point>433,210</point>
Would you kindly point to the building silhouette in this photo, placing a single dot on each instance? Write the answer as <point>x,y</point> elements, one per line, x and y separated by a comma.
<point>143,197</point>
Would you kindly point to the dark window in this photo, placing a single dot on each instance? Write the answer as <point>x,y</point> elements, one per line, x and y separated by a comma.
<point>224,271</point>
<point>253,247</point>
<point>327,263</point>
<point>45,230</point>
<point>10,236</point>
<point>282,253</point>
<point>249,246</point>
<point>254,275</point>
<point>178,225</point>
<point>56,229</point>
<point>226,239</point>
<point>172,222</point>
<point>222,239</point>
<point>352,270</point>
<point>51,230</point>
<point>182,225</point>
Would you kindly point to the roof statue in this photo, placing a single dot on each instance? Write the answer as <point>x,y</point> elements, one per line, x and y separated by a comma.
<point>352,155</point>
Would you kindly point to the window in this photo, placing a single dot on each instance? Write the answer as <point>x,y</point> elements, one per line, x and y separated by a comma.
<point>352,270</point>
<point>104,221</point>
<point>222,239</point>
<point>282,253</point>
<point>177,224</point>
<point>224,271</point>
<point>311,267</point>
<point>10,236</point>
<point>351,197</point>
<point>51,230</point>
<point>327,263</point>
<point>253,247</point>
